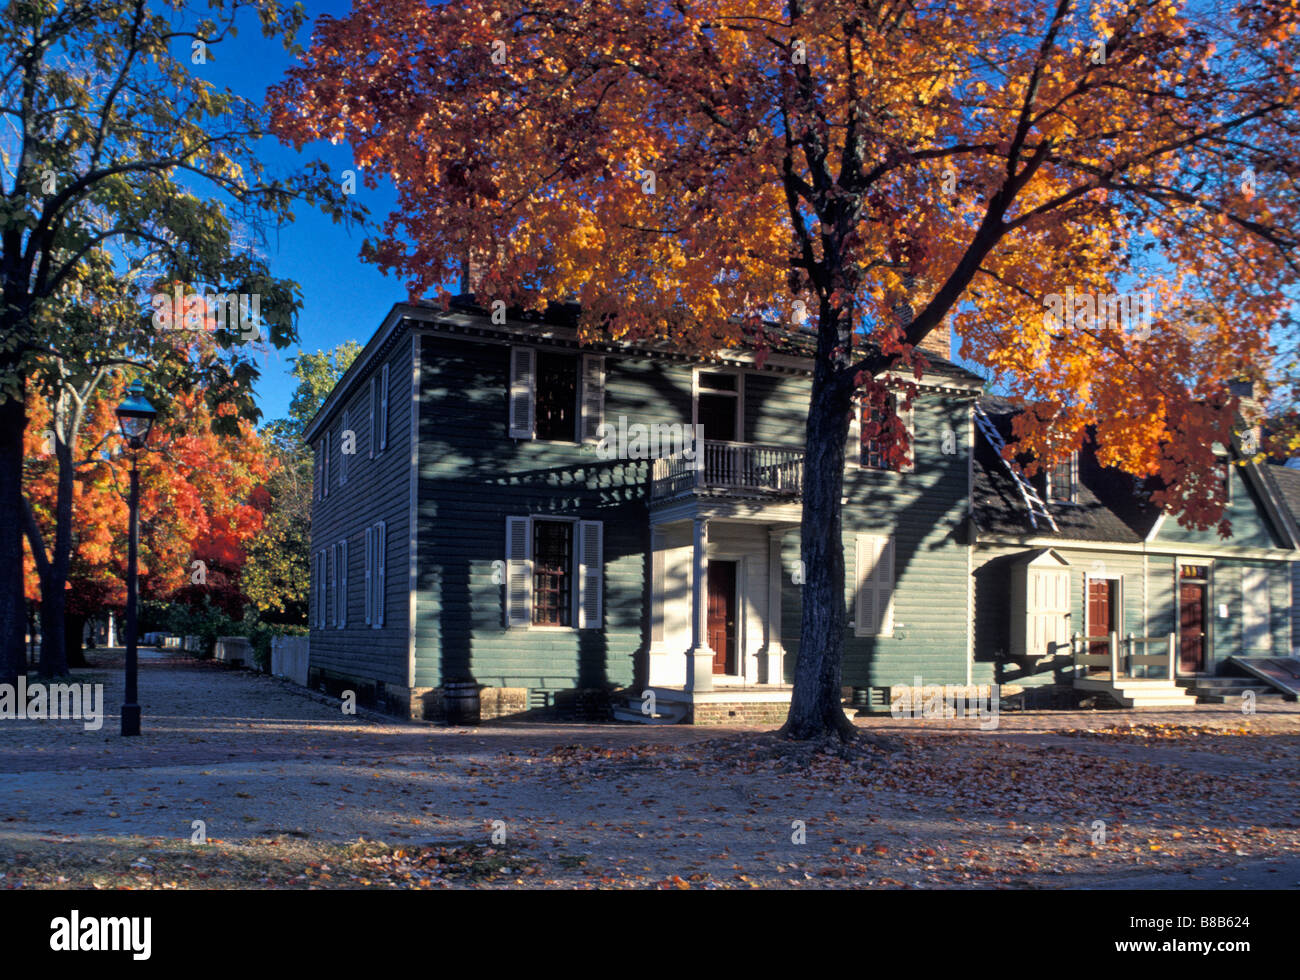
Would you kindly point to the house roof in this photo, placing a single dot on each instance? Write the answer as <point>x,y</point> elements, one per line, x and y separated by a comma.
<point>795,345</point>
<point>1108,506</point>
<point>1287,481</point>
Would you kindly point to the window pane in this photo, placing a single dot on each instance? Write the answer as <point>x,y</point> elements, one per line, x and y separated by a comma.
<point>557,397</point>
<point>873,443</point>
<point>717,381</point>
<point>552,572</point>
<point>1062,481</point>
<point>717,413</point>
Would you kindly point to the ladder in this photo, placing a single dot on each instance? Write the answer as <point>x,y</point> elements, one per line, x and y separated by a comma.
<point>1033,503</point>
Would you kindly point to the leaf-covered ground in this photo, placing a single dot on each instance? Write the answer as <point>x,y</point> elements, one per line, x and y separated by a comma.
<point>292,794</point>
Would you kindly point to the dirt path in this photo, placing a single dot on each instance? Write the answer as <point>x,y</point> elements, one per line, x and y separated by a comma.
<point>286,787</point>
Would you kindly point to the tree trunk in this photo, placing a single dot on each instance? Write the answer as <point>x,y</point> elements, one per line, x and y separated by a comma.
<point>54,658</point>
<point>13,422</point>
<point>74,627</point>
<point>815,709</point>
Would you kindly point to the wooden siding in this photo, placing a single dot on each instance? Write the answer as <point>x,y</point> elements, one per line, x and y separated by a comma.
<point>925,510</point>
<point>1149,605</point>
<point>377,489</point>
<point>472,476</point>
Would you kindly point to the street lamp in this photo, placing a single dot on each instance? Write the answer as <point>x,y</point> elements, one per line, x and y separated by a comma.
<point>135,416</point>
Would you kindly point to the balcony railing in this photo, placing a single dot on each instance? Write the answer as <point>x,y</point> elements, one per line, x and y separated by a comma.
<point>740,467</point>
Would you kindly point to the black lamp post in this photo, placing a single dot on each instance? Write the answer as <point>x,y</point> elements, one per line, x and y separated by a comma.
<point>135,415</point>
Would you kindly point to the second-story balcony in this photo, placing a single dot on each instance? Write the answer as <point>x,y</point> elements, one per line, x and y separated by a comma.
<point>740,468</point>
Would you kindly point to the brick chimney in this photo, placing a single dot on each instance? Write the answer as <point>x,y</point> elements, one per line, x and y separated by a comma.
<point>472,268</point>
<point>939,340</point>
<point>1251,408</point>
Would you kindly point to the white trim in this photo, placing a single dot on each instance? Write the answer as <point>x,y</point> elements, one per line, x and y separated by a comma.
<point>1211,612</point>
<point>739,395</point>
<point>1119,601</point>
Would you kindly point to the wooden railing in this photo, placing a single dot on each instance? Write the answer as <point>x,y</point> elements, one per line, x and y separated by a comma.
<point>1121,654</point>
<point>740,466</point>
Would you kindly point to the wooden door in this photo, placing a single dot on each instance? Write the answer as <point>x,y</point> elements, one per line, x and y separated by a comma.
<point>1102,608</point>
<point>721,627</point>
<point>1191,627</point>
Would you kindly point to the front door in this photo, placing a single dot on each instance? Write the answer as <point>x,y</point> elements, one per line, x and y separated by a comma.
<point>722,616</point>
<point>1102,607</point>
<point>1191,627</point>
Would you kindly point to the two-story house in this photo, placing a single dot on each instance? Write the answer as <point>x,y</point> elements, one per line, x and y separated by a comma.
<point>496,503</point>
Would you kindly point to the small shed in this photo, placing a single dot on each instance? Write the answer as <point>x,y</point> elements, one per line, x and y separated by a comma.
<point>1040,605</point>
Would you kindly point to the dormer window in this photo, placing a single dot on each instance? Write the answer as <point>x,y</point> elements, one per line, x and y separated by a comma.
<point>1063,480</point>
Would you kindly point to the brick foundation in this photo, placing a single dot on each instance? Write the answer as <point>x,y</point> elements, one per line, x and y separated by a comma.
<point>740,713</point>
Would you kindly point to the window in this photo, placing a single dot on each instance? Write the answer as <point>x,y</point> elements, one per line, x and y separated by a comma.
<point>874,565</point>
<point>1063,480</point>
<point>376,548</point>
<point>717,405</point>
<point>552,573</point>
<point>341,581</point>
<point>556,396</point>
<point>371,402</point>
<point>343,450</point>
<point>872,441</point>
<point>322,589</point>
<point>325,468</point>
<point>383,408</point>
<point>555,572</point>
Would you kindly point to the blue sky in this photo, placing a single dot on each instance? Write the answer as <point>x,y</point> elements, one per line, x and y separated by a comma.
<point>343,297</point>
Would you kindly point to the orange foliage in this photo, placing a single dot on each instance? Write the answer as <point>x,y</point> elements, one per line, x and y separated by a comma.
<point>201,499</point>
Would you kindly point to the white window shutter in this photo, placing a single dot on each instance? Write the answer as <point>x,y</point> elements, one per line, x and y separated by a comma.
<point>325,472</point>
<point>591,574</point>
<point>874,612</point>
<point>370,566</point>
<point>853,445</point>
<point>522,374</point>
<point>519,572</point>
<point>885,587</point>
<point>381,546</point>
<point>864,613</point>
<point>908,417</point>
<point>383,408</point>
<point>593,396</point>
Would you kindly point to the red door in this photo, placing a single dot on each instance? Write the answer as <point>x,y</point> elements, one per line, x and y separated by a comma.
<point>721,627</point>
<point>1191,633</point>
<point>1101,618</point>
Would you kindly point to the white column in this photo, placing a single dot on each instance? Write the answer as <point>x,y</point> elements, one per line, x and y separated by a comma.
<point>774,652</point>
<point>659,667</point>
<point>699,661</point>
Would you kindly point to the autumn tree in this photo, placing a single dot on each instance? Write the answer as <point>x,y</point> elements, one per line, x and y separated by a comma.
<point>687,169</point>
<point>118,157</point>
<point>202,500</point>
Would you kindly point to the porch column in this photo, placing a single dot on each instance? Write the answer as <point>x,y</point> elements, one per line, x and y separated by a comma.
<point>775,653</point>
<point>699,661</point>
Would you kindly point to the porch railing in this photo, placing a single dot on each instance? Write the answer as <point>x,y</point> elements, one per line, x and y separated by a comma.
<point>1121,654</point>
<point>743,467</point>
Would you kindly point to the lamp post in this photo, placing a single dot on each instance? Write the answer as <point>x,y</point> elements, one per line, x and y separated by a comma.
<point>135,416</point>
